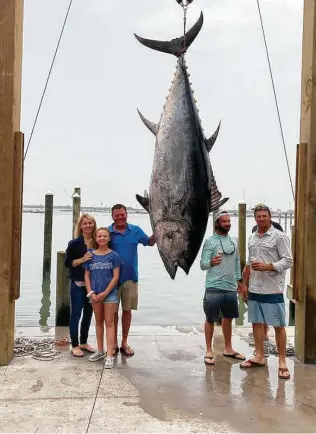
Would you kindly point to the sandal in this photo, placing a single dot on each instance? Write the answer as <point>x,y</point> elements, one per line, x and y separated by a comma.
<point>252,364</point>
<point>87,348</point>
<point>115,352</point>
<point>76,352</point>
<point>283,371</point>
<point>236,356</point>
<point>127,351</point>
<point>212,360</point>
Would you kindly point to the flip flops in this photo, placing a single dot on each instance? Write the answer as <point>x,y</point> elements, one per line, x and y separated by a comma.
<point>212,360</point>
<point>127,351</point>
<point>77,352</point>
<point>236,356</point>
<point>252,364</point>
<point>282,371</point>
<point>88,349</point>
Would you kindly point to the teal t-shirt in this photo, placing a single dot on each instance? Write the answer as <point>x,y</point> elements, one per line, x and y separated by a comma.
<point>225,275</point>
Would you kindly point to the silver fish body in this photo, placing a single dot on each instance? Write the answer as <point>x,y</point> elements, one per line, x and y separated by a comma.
<point>182,190</point>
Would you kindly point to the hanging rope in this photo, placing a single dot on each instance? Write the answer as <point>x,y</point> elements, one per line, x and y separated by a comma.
<point>184,4</point>
<point>275,98</point>
<point>48,77</point>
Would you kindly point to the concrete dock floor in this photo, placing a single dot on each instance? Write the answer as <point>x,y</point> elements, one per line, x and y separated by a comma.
<point>165,387</point>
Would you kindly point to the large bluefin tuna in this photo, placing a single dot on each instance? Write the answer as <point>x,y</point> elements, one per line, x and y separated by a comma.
<point>182,190</point>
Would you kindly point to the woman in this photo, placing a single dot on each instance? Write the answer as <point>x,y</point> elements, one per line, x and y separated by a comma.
<point>77,254</point>
<point>101,277</point>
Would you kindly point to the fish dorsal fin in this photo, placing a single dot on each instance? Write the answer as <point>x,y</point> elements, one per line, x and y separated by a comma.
<point>176,46</point>
<point>143,201</point>
<point>216,195</point>
<point>150,125</point>
<point>217,205</point>
<point>210,142</point>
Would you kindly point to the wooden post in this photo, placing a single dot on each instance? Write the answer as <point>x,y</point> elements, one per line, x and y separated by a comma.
<point>280,215</point>
<point>76,205</point>
<point>48,235</point>
<point>62,293</point>
<point>11,41</point>
<point>242,218</point>
<point>305,342</point>
<point>285,222</point>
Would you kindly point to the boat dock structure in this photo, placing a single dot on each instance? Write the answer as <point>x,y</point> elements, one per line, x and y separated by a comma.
<point>166,386</point>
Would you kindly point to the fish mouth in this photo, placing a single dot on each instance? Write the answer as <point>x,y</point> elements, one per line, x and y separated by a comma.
<point>171,268</point>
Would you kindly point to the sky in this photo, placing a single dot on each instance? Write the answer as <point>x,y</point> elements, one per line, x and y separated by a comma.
<point>88,132</point>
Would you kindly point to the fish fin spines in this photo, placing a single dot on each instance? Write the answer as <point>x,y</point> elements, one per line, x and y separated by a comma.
<point>143,201</point>
<point>177,46</point>
<point>210,142</point>
<point>150,125</point>
<point>218,204</point>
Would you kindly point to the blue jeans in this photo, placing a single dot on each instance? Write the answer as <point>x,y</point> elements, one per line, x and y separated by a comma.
<point>79,303</point>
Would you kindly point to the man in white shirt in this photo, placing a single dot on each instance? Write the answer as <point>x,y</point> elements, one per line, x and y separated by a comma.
<point>264,279</point>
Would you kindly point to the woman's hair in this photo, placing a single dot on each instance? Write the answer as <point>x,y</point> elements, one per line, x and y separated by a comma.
<point>102,229</point>
<point>78,230</point>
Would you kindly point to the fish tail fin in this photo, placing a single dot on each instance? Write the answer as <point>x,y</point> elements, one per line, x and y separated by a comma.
<point>177,46</point>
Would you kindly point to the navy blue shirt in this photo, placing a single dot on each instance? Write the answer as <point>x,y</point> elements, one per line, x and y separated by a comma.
<point>125,244</point>
<point>76,249</point>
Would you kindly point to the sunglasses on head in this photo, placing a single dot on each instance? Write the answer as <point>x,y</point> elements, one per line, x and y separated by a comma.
<point>261,208</point>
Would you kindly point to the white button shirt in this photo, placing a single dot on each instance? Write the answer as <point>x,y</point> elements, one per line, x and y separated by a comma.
<point>273,247</point>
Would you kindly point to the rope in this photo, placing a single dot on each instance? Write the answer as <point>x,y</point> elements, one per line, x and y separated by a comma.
<point>48,77</point>
<point>39,349</point>
<point>275,97</point>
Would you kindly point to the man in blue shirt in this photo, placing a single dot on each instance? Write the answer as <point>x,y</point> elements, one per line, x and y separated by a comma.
<point>124,241</point>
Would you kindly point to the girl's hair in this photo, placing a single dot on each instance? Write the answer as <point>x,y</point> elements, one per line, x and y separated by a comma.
<point>102,229</point>
<point>78,230</point>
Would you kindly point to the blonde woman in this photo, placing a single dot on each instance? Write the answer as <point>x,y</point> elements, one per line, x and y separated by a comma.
<point>79,251</point>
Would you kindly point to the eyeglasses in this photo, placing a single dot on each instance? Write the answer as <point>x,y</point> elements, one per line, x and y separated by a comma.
<point>233,244</point>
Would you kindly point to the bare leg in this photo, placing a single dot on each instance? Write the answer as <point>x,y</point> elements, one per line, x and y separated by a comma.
<point>126,323</point>
<point>280,337</point>
<point>258,334</point>
<point>115,329</point>
<point>99,324</point>
<point>266,329</point>
<point>209,333</point>
<point>227,332</point>
<point>109,314</point>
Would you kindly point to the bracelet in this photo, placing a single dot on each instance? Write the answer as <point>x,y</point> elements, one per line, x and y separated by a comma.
<point>90,293</point>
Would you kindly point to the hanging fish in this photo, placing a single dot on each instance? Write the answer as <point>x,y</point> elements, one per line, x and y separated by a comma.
<point>182,190</point>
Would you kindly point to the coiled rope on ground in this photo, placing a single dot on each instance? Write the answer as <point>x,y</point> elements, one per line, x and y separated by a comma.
<point>39,349</point>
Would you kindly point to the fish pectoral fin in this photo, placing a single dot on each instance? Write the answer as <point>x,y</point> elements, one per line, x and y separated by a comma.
<point>150,125</point>
<point>210,142</point>
<point>176,46</point>
<point>143,201</point>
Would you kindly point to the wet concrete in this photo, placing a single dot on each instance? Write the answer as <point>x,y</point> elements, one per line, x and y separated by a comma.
<point>164,387</point>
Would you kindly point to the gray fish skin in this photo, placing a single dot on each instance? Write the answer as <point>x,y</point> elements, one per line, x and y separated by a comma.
<point>182,189</point>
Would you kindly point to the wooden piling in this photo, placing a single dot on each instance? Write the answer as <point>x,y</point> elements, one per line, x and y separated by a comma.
<point>48,235</point>
<point>285,222</point>
<point>76,205</point>
<point>242,218</point>
<point>305,203</point>
<point>62,293</point>
<point>11,41</point>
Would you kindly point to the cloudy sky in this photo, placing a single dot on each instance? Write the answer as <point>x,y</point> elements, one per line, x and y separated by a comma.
<point>89,132</point>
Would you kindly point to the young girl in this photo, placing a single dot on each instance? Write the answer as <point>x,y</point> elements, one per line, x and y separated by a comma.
<point>101,278</point>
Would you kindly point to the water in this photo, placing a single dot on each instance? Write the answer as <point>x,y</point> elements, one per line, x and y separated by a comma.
<point>161,300</point>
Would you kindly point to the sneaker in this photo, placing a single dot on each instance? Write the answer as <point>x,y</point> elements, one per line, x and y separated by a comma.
<point>109,362</point>
<point>97,356</point>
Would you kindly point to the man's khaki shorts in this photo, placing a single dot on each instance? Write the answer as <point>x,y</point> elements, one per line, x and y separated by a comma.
<point>128,295</point>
